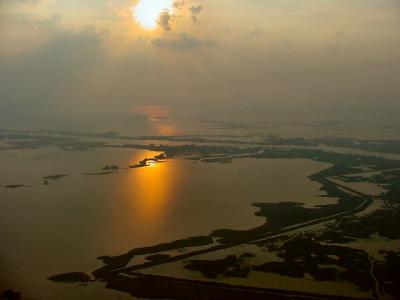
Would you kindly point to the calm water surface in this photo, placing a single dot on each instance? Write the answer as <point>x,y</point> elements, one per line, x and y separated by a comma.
<point>63,227</point>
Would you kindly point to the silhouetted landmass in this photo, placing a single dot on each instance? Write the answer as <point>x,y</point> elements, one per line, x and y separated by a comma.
<point>281,215</point>
<point>10,295</point>
<point>334,237</point>
<point>71,140</point>
<point>389,179</point>
<point>388,273</point>
<point>100,173</point>
<point>143,163</point>
<point>112,167</point>
<point>385,222</point>
<point>160,156</point>
<point>157,257</point>
<point>14,186</point>
<point>314,254</point>
<point>311,253</point>
<point>304,255</point>
<point>115,262</point>
<point>382,146</point>
<point>72,277</point>
<point>160,287</point>
<point>342,163</point>
<point>230,266</point>
<point>205,151</point>
<point>54,177</point>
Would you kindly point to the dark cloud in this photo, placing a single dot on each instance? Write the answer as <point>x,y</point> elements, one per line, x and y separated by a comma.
<point>196,10</point>
<point>168,17</point>
<point>165,20</point>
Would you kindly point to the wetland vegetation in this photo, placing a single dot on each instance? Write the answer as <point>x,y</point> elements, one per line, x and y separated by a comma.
<point>325,256</point>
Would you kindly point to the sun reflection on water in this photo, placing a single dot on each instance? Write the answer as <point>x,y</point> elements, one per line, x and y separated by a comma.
<point>151,192</point>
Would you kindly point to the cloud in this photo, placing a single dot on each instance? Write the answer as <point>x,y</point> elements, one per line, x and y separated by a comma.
<point>21,33</point>
<point>256,32</point>
<point>196,10</point>
<point>184,42</point>
<point>179,13</point>
<point>44,64</point>
<point>50,67</point>
<point>178,4</point>
<point>165,20</point>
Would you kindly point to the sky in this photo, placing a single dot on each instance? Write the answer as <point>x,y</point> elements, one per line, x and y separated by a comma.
<point>66,64</point>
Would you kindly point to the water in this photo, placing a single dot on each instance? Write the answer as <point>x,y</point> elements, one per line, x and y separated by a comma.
<point>62,227</point>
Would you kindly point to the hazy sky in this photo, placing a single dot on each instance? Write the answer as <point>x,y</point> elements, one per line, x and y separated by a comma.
<point>215,59</point>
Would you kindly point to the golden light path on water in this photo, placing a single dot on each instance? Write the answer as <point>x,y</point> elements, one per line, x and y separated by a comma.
<point>150,192</point>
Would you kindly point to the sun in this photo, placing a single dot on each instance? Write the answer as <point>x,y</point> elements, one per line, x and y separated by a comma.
<point>147,12</point>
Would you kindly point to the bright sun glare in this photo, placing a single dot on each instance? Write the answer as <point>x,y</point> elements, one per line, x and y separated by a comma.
<point>147,12</point>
